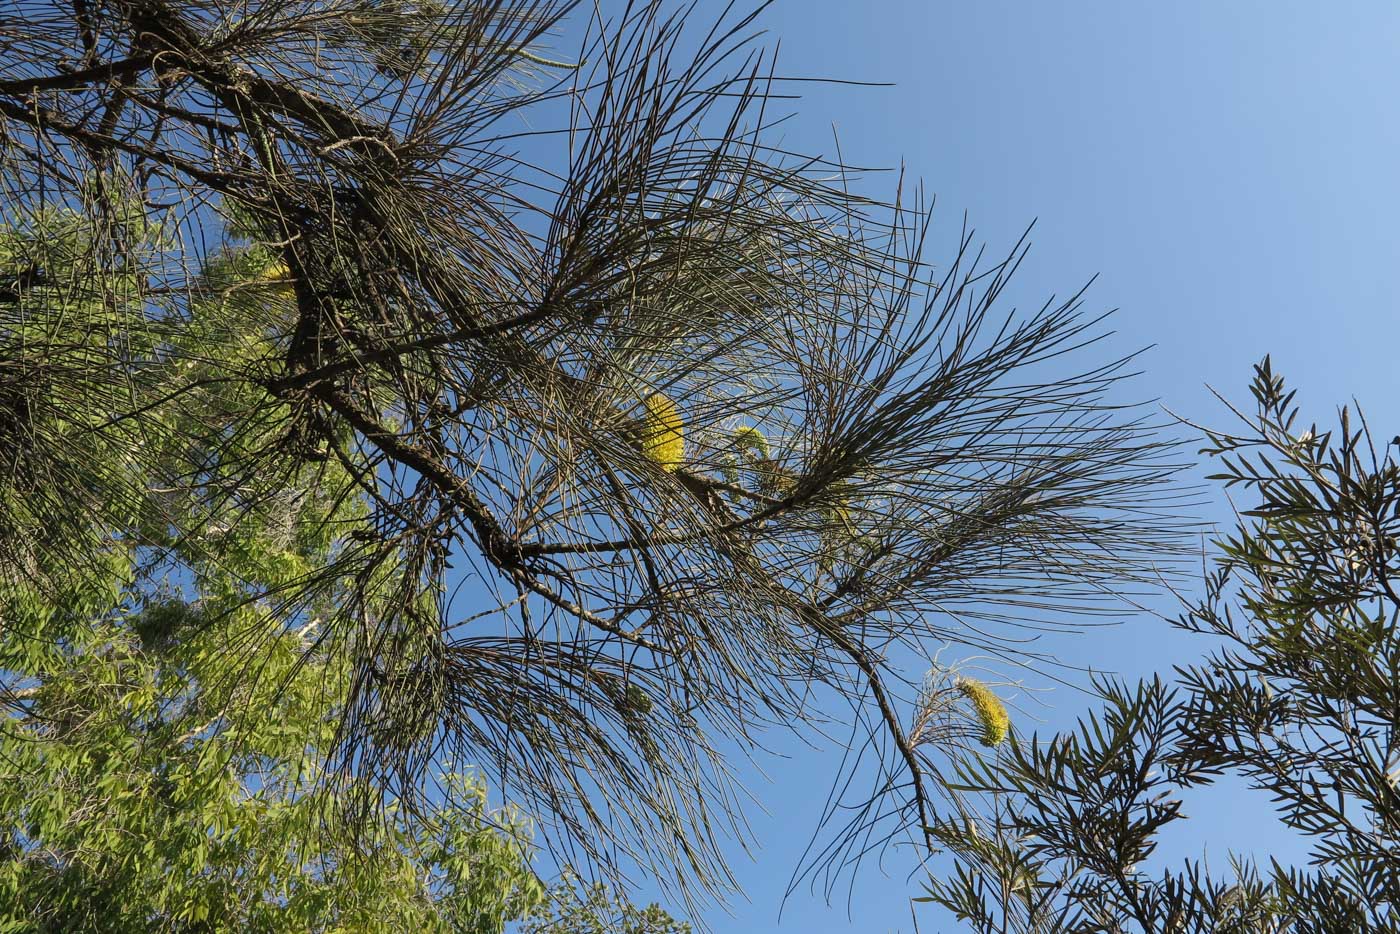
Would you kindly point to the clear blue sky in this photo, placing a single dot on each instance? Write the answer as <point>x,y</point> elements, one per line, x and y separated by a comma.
<point>1229,169</point>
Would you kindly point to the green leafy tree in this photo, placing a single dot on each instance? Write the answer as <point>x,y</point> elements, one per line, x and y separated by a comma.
<point>1301,699</point>
<point>703,442</point>
<point>138,799</point>
<point>162,770</point>
<point>575,908</point>
<point>170,715</point>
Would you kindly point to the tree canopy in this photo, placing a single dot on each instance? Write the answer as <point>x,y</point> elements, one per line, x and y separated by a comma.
<point>597,433</point>
<point>168,729</point>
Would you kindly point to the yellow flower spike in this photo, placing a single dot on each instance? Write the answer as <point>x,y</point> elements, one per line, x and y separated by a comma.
<point>749,438</point>
<point>275,271</point>
<point>662,440</point>
<point>991,712</point>
<point>750,441</point>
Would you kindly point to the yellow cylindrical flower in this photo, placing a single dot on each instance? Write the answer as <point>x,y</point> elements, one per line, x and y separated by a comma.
<point>990,711</point>
<point>276,275</point>
<point>749,438</point>
<point>661,436</point>
<point>749,441</point>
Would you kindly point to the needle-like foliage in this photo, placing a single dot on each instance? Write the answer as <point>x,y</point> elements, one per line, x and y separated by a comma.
<point>1300,699</point>
<point>480,263</point>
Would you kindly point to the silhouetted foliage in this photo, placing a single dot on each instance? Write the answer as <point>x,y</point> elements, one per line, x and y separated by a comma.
<point>1301,699</point>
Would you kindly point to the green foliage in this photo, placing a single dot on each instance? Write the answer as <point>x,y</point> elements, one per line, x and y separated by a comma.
<point>575,908</point>
<point>171,720</point>
<point>150,784</point>
<point>1301,699</point>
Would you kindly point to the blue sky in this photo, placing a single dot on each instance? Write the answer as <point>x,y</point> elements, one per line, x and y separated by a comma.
<point>1229,172</point>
